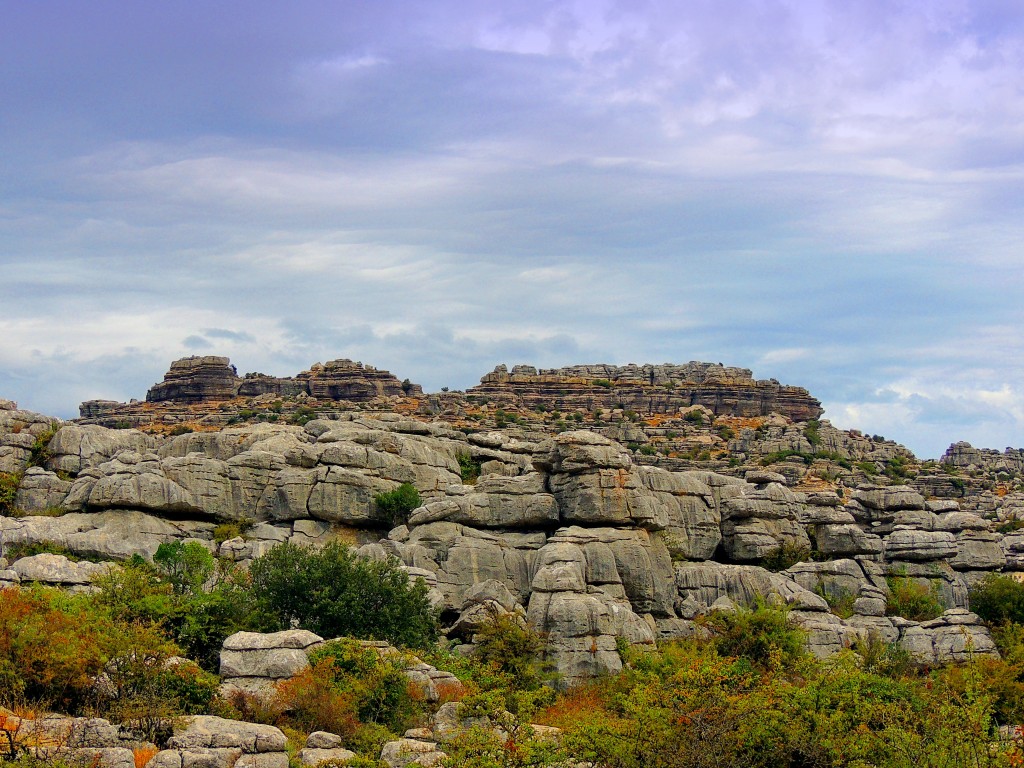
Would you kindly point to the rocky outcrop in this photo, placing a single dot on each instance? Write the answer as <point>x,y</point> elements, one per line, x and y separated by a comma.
<point>195,380</point>
<point>964,456</point>
<point>570,533</point>
<point>333,380</point>
<point>253,663</point>
<point>647,388</point>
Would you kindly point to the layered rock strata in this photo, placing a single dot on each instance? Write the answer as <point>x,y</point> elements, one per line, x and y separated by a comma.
<point>647,389</point>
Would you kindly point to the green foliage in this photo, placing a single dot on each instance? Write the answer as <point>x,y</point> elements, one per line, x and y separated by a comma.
<point>332,592</point>
<point>186,566</point>
<point>897,468</point>
<point>379,687</point>
<point>397,504</point>
<point>303,415</point>
<point>40,450</point>
<point>605,383</point>
<point>198,618</point>
<point>879,657</point>
<point>9,482</point>
<point>180,429</point>
<point>1011,525</point>
<point>913,599</point>
<point>469,468</point>
<point>725,432</point>
<point>867,467</point>
<point>762,634</point>
<point>786,555</point>
<point>231,530</point>
<point>694,417</point>
<point>998,599</point>
<point>29,549</point>
<point>840,600</point>
<point>508,656</point>
<point>811,433</point>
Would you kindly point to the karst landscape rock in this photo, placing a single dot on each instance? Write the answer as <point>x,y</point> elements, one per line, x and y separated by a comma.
<point>600,505</point>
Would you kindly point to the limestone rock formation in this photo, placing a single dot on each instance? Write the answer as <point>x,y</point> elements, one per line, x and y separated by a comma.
<point>589,541</point>
<point>203,379</point>
<point>649,389</point>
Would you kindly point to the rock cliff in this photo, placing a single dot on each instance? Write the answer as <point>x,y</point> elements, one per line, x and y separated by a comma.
<point>592,523</point>
<point>651,389</point>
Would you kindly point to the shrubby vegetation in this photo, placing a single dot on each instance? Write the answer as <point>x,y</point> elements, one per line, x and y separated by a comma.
<point>397,504</point>
<point>750,696</point>
<point>333,593</point>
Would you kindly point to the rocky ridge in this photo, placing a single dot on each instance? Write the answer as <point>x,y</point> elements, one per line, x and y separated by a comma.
<point>594,524</point>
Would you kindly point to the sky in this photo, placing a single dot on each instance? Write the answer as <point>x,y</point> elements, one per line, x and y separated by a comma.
<point>830,193</point>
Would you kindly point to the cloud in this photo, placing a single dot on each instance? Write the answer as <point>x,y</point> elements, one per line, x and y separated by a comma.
<point>829,195</point>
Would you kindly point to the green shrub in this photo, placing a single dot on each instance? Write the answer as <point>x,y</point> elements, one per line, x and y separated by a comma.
<point>181,429</point>
<point>231,530</point>
<point>9,482</point>
<point>761,634</point>
<point>604,383</point>
<point>785,556</point>
<point>469,468</point>
<point>397,504</point>
<point>334,593</point>
<point>508,655</point>
<point>186,565</point>
<point>882,658</point>
<point>40,450</point>
<point>840,600</point>
<point>811,433</point>
<point>912,599</point>
<point>694,417</point>
<point>302,416</point>
<point>29,549</point>
<point>998,599</point>
<point>867,467</point>
<point>379,686</point>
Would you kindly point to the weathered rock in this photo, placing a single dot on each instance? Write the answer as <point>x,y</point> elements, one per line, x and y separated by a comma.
<point>706,583</point>
<point>403,752</point>
<point>41,491</point>
<point>917,545</point>
<point>254,662</point>
<point>648,388</point>
<point>58,570</point>
<point>77,446</point>
<point>197,379</point>
<point>336,755</point>
<point>209,732</point>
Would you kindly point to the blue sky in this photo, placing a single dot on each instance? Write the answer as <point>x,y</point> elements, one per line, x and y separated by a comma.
<point>828,193</point>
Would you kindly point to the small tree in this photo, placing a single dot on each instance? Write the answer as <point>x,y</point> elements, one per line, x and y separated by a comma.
<point>399,503</point>
<point>334,593</point>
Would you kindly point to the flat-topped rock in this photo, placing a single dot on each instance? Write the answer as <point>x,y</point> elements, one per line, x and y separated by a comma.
<point>197,379</point>
<point>648,388</point>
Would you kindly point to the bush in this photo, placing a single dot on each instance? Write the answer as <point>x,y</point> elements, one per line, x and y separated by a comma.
<point>507,655</point>
<point>40,450</point>
<point>397,504</point>
<point>186,566</point>
<point>761,634</point>
<point>811,433</point>
<point>469,468</point>
<point>912,599</point>
<point>51,655</point>
<point>785,556</point>
<point>334,593</point>
<point>998,599</point>
<point>9,482</point>
<point>379,687</point>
